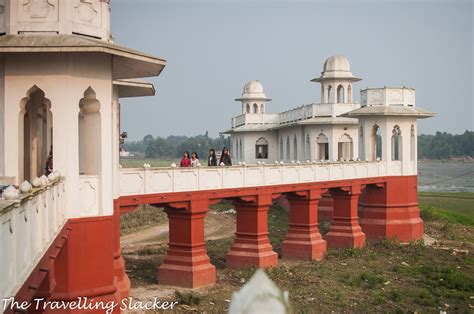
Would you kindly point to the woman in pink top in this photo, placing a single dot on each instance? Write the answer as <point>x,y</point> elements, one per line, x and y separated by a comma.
<point>185,162</point>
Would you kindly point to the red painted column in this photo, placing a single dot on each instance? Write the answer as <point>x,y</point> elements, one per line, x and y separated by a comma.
<point>391,210</point>
<point>123,282</point>
<point>252,246</point>
<point>186,263</point>
<point>345,231</point>
<point>304,240</point>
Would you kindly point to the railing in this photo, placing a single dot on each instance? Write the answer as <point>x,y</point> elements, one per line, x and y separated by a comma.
<point>255,118</point>
<point>28,226</point>
<point>135,181</point>
<point>294,115</point>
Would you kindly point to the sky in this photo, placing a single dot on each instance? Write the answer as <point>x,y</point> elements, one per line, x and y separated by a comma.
<point>213,48</point>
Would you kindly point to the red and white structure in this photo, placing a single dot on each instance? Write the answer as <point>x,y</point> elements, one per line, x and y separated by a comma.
<point>61,83</point>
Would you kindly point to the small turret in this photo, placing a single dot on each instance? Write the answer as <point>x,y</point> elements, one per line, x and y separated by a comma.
<point>253,98</point>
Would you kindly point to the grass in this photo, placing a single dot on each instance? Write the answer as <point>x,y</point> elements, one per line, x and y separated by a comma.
<point>454,207</point>
<point>384,276</point>
<point>144,217</point>
<point>131,162</point>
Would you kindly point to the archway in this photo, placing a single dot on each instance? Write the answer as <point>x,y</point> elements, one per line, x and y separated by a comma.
<point>412,143</point>
<point>344,147</point>
<point>376,143</point>
<point>295,148</point>
<point>255,108</point>
<point>322,147</point>
<point>261,148</point>
<point>340,94</point>
<point>36,135</point>
<point>396,143</point>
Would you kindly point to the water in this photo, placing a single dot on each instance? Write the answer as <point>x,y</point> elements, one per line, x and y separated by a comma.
<point>430,173</point>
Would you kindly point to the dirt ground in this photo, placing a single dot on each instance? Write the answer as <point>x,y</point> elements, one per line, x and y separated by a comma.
<point>385,276</point>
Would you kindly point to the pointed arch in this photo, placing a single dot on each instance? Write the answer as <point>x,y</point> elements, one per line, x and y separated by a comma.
<point>329,94</point>
<point>308,147</point>
<point>255,108</point>
<point>376,143</point>
<point>344,147</point>
<point>349,94</point>
<point>35,123</point>
<point>322,147</point>
<point>262,108</point>
<point>261,148</point>
<point>397,143</point>
<point>295,148</point>
<point>281,148</point>
<point>412,143</point>
<point>340,94</point>
<point>247,108</point>
<point>288,157</point>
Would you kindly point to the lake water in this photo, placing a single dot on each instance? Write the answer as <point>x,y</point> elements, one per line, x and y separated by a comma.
<point>431,173</point>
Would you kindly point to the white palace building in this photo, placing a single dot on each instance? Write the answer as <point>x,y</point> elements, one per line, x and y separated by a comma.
<point>328,130</point>
<point>62,79</point>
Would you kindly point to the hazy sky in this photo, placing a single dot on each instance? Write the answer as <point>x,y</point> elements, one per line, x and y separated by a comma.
<point>213,47</point>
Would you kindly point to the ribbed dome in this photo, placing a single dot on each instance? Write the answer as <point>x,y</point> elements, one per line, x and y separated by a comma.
<point>336,67</point>
<point>253,87</point>
<point>253,90</point>
<point>337,63</point>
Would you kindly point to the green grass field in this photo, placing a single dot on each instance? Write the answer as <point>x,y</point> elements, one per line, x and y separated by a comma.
<point>385,276</point>
<point>133,162</point>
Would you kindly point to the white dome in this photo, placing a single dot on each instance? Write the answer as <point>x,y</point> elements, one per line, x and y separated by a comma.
<point>336,67</point>
<point>253,87</point>
<point>253,90</point>
<point>337,63</point>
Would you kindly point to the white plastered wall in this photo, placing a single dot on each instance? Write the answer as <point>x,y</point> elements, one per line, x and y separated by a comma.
<point>63,78</point>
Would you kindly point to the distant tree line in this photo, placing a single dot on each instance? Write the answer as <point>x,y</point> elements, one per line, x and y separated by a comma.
<point>441,145</point>
<point>174,146</point>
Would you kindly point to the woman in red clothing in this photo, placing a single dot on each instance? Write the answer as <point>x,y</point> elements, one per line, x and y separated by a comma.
<point>186,161</point>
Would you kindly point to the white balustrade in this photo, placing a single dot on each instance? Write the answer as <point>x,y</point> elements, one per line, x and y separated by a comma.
<point>136,181</point>
<point>28,226</point>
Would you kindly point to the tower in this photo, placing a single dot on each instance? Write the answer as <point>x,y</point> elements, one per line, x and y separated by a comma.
<point>387,133</point>
<point>336,81</point>
<point>253,98</point>
<point>387,126</point>
<point>61,80</point>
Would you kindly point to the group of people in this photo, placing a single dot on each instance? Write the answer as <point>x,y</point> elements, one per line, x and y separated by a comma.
<point>193,161</point>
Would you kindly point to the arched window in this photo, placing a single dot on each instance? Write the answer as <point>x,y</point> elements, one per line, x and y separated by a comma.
<point>376,143</point>
<point>288,157</point>
<point>281,148</point>
<point>261,148</point>
<point>412,143</point>
<point>349,94</point>
<point>241,150</point>
<point>247,108</point>
<point>255,108</point>
<point>262,108</point>
<point>308,148</point>
<point>89,134</point>
<point>396,143</point>
<point>340,94</point>
<point>344,147</point>
<point>36,135</point>
<point>237,149</point>
<point>295,148</point>
<point>322,151</point>
<point>329,94</point>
